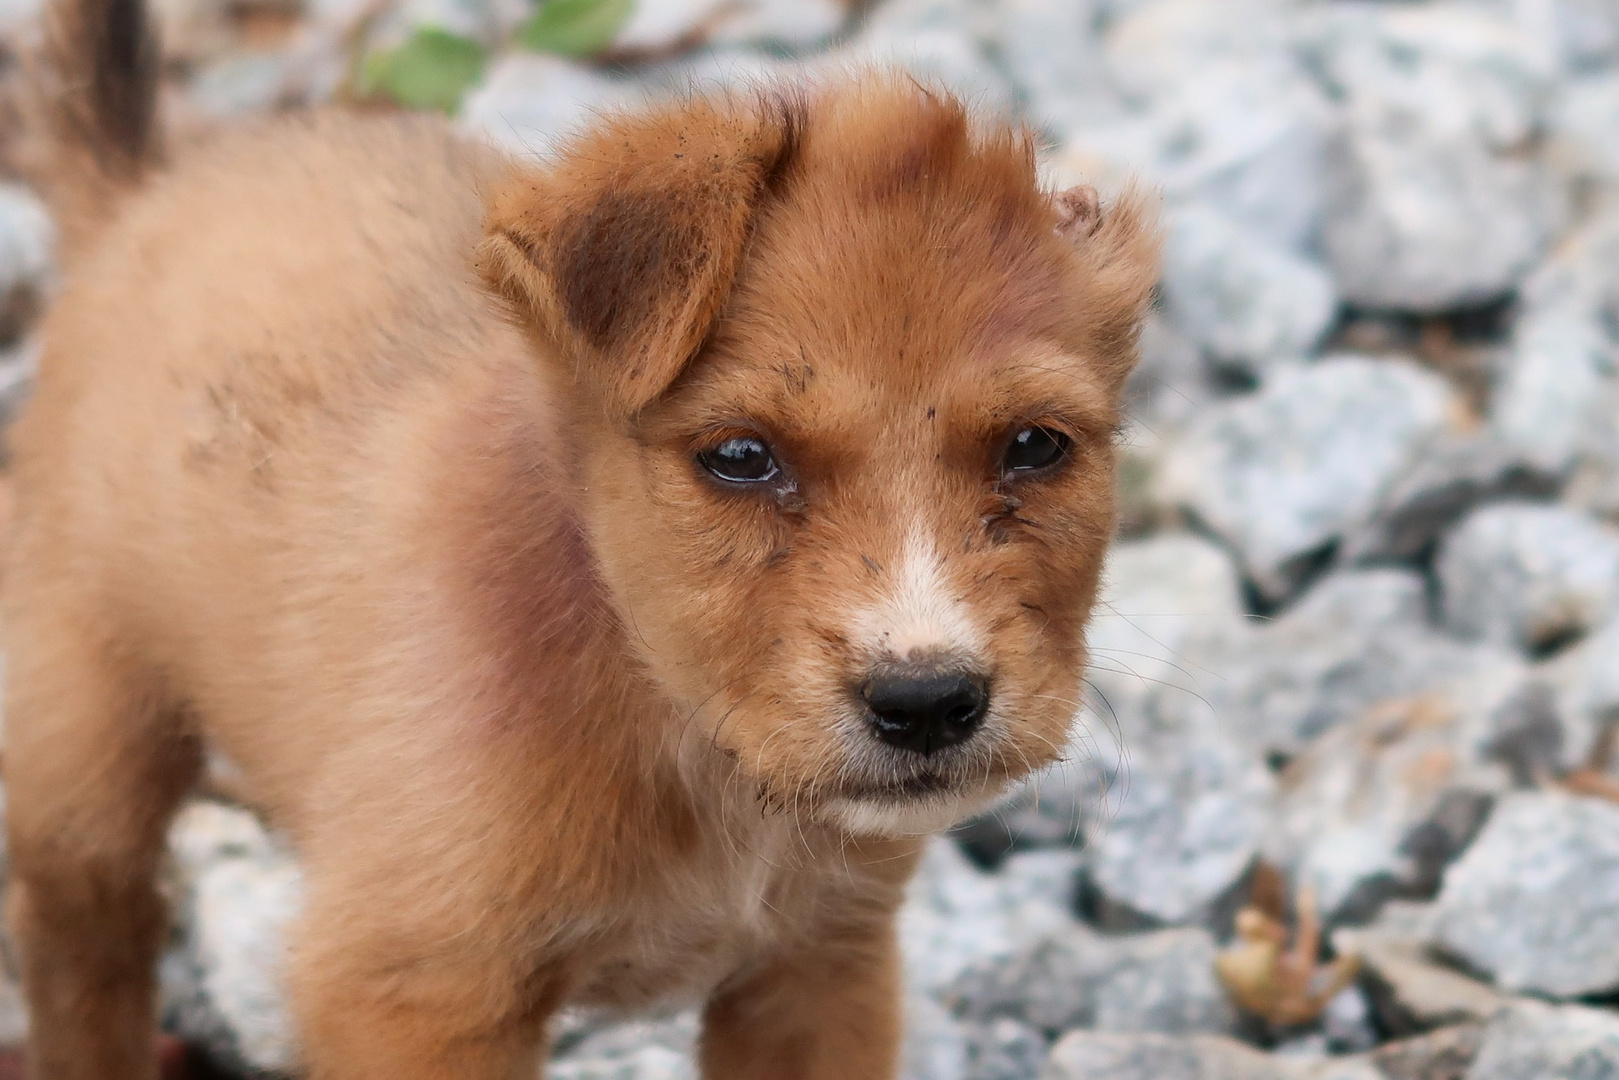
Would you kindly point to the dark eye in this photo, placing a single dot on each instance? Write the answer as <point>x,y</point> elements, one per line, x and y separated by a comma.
<point>742,460</point>
<point>1035,448</point>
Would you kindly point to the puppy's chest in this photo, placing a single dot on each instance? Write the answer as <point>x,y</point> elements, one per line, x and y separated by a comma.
<point>692,924</point>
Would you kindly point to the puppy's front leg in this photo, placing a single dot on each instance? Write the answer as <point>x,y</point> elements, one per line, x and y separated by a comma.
<point>828,1010</point>
<point>393,989</point>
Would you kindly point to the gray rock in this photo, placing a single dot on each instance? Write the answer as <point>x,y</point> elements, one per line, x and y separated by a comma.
<point>1094,1055</point>
<point>956,915</point>
<point>632,1050</point>
<point>1347,1022</point>
<point>1377,806</point>
<point>14,1016</point>
<point>658,26</point>
<point>1445,1054</point>
<point>1169,388</point>
<point>222,983</point>
<point>1593,483</point>
<point>1550,396</point>
<point>18,366</point>
<point>1431,205</point>
<point>936,1045</point>
<point>646,1063</point>
<point>27,249</point>
<point>1163,982</point>
<point>943,41</point>
<point>1534,903</point>
<point>1579,33</point>
<point>1158,43</point>
<point>1412,990</point>
<point>1577,276</point>
<point>1245,300</point>
<point>487,21</point>
<point>1528,575</point>
<point>1169,606</point>
<point>1282,474</point>
<point>1328,658</point>
<point>528,100</point>
<point>1170,385</point>
<point>781,23</point>
<point>1224,114</point>
<point>1532,1041</point>
<point>1188,814</point>
<point>1171,803</point>
<point>1052,51</point>
<point>1585,681</point>
<point>1458,471</point>
<point>1164,601</point>
<point>1003,1049</point>
<point>1583,122</point>
<point>240,84</point>
<point>1075,978</point>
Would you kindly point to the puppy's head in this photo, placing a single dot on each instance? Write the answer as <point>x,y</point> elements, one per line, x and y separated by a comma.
<point>845,384</point>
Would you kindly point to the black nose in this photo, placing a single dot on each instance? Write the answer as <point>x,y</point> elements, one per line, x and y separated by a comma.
<point>925,708</point>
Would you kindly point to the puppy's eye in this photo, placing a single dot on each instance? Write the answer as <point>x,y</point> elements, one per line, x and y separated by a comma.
<point>1035,448</point>
<point>742,460</point>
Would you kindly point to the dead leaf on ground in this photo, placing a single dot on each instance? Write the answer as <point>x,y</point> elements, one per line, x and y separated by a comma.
<point>1280,981</point>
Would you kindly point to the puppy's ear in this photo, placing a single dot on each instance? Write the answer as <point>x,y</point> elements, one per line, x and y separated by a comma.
<point>1118,248</point>
<point>623,252</point>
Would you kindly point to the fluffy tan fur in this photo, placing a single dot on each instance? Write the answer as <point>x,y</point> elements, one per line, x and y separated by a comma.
<point>366,459</point>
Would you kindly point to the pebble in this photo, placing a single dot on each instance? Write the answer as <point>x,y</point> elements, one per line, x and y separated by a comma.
<point>1379,805</point>
<point>1445,1054</point>
<point>1582,121</point>
<point>529,100</point>
<point>1528,575</point>
<point>1534,1041</point>
<point>27,250</point>
<point>1582,34</point>
<point>1411,990</point>
<point>1283,474</point>
<point>1053,52</point>
<point>1550,396</point>
<point>1162,981</point>
<point>958,915</point>
<point>1094,1055</point>
<point>661,26</point>
<point>1460,470</point>
<point>1431,207</point>
<point>1172,805</point>
<point>1328,657</point>
<point>239,888</point>
<point>1217,110</point>
<point>1585,682</point>
<point>660,1049</point>
<point>1534,902</point>
<point>1247,302</point>
<point>1003,1049</point>
<point>942,41</point>
<point>1189,807</point>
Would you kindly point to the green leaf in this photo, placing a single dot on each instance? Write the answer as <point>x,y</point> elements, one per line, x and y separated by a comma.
<point>431,70</point>
<point>575,27</point>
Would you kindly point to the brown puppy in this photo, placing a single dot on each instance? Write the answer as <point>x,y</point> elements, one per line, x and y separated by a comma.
<point>606,630</point>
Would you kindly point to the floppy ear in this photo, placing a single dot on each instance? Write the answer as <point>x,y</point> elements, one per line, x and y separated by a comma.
<point>1117,248</point>
<point>623,252</point>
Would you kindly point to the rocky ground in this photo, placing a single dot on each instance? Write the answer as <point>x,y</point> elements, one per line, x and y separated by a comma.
<point>1344,800</point>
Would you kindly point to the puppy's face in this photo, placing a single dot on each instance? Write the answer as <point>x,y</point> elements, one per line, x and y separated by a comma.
<point>856,528</point>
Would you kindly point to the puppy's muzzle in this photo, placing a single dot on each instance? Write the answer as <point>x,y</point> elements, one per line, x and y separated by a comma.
<point>925,707</point>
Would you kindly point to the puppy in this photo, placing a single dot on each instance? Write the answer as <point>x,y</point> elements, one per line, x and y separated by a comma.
<point>606,572</point>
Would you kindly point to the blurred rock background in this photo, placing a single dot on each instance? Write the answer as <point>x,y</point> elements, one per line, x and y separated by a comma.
<point>1343,799</point>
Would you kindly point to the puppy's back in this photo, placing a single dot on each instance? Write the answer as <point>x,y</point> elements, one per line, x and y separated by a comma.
<point>245,354</point>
